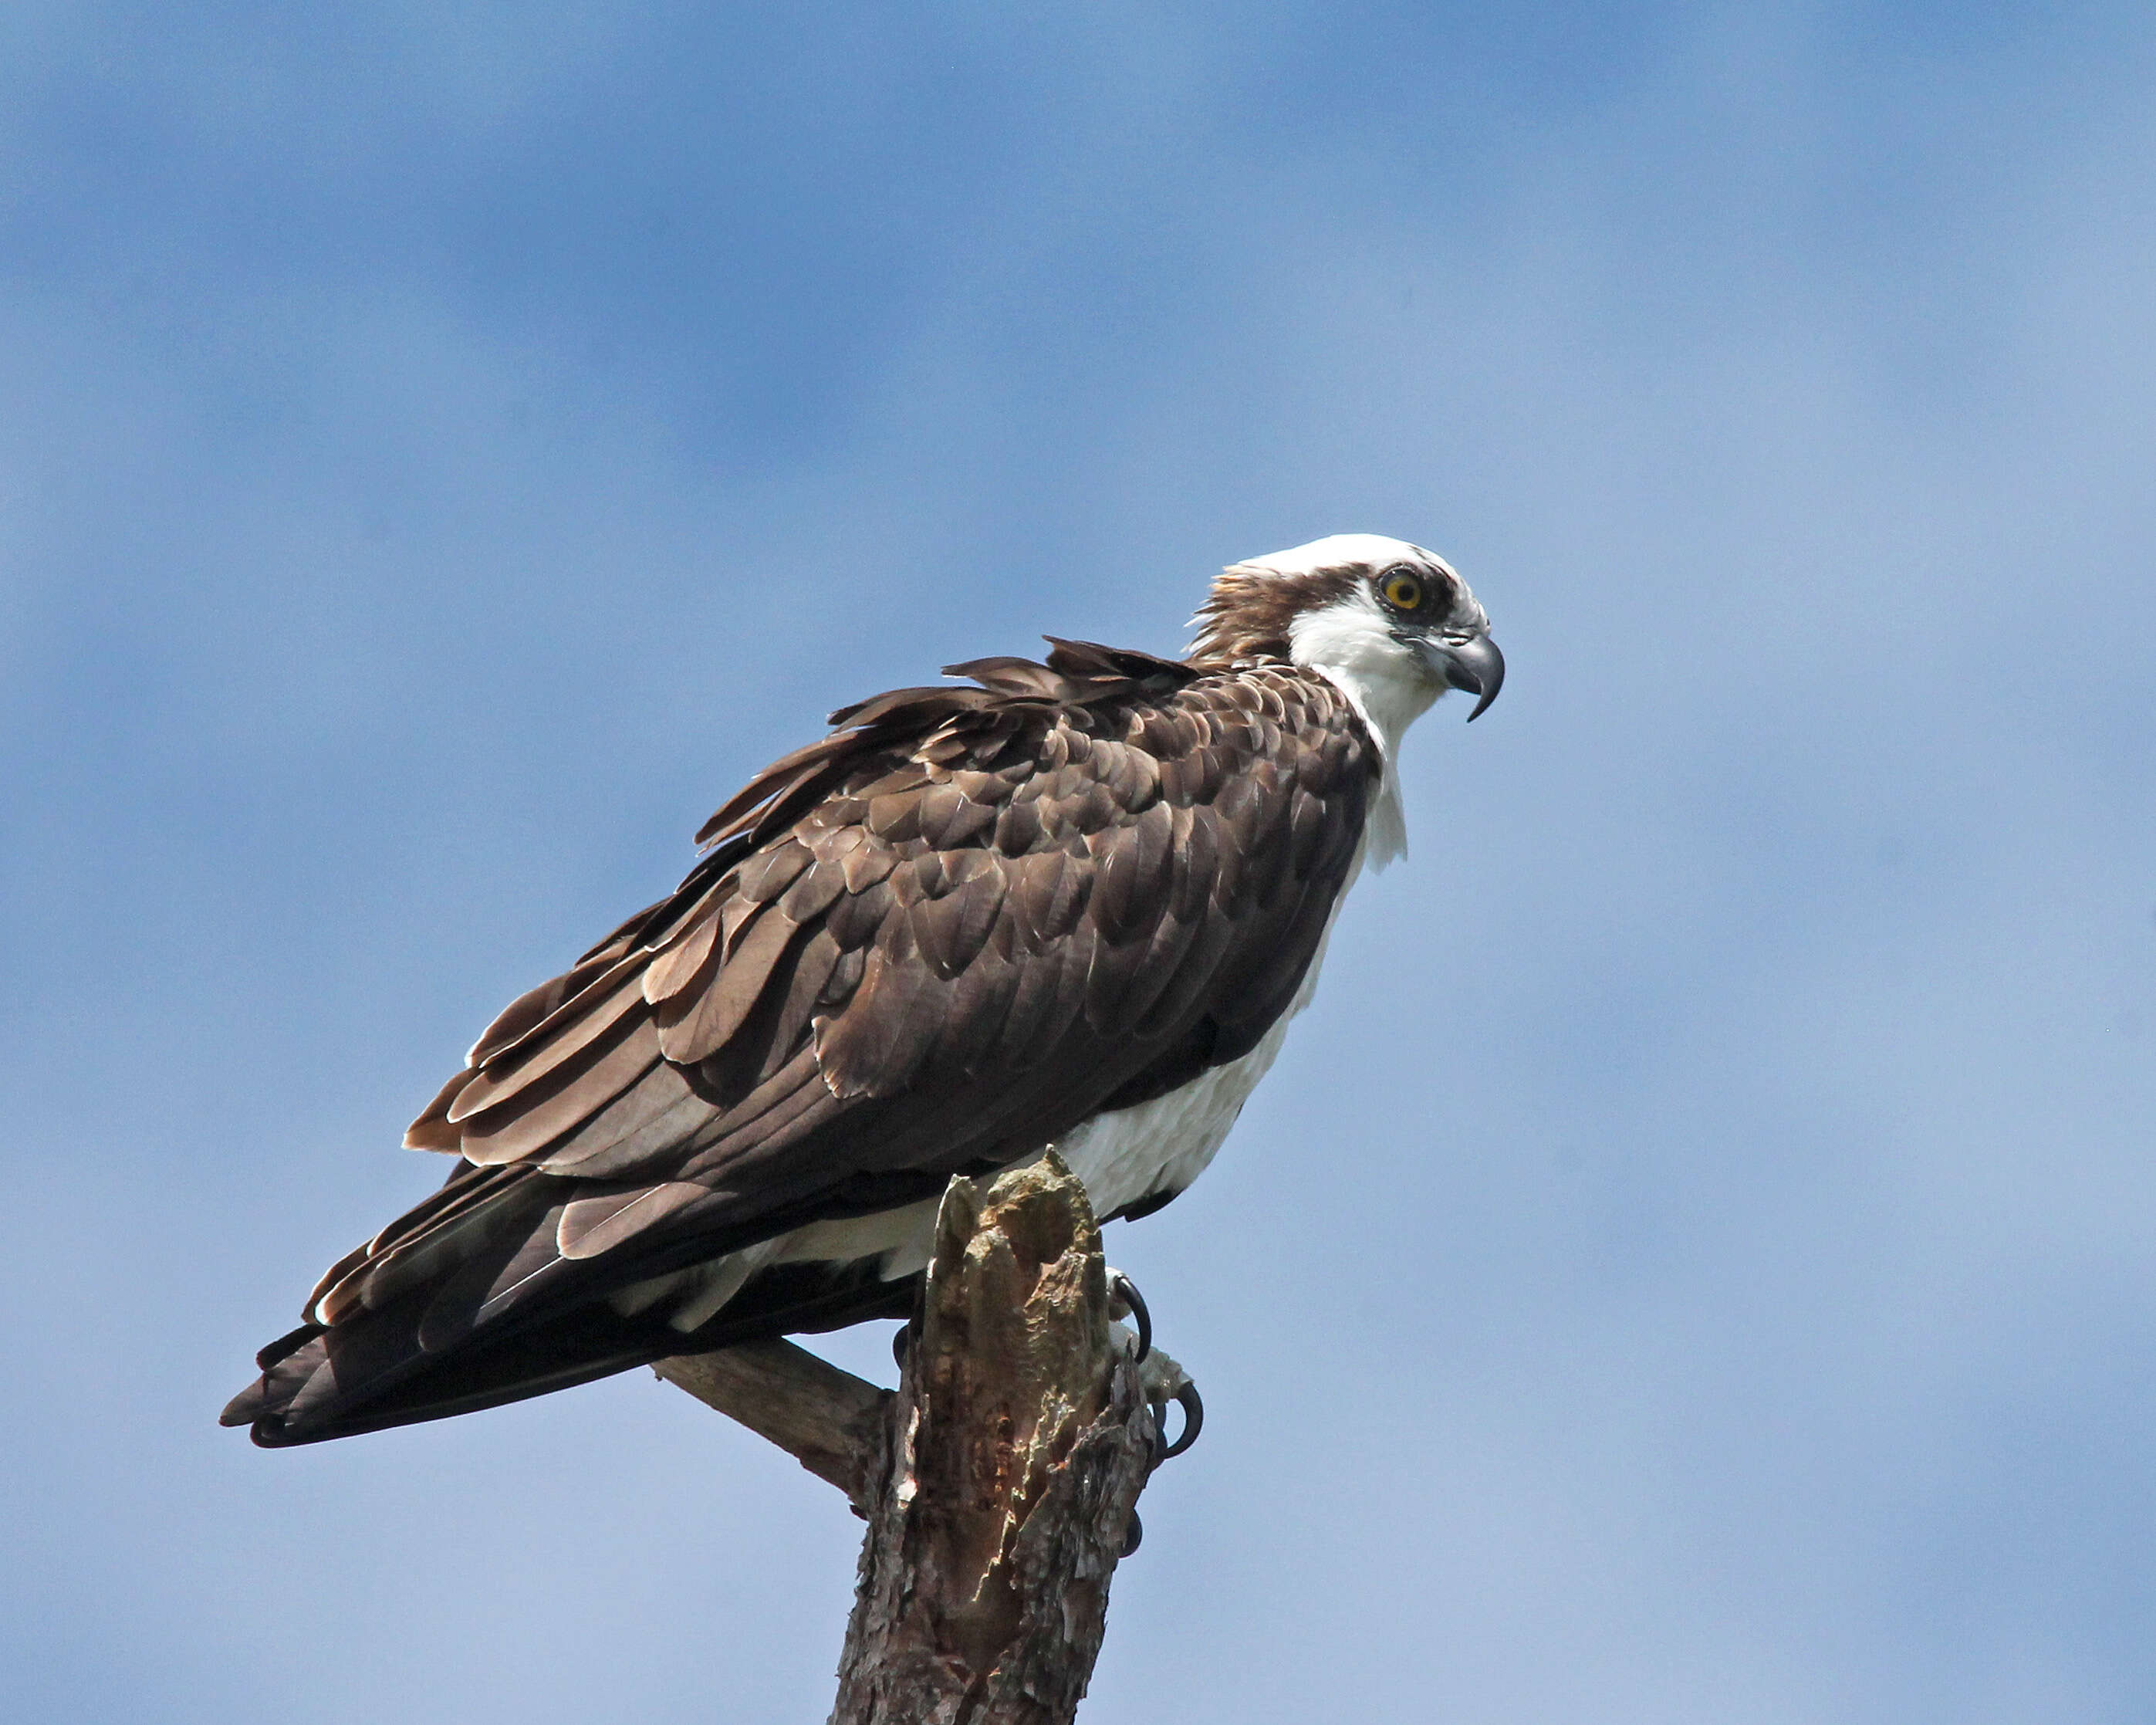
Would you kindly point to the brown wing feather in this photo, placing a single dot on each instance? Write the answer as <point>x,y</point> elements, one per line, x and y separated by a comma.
<point>930,942</point>
<point>716,1013</point>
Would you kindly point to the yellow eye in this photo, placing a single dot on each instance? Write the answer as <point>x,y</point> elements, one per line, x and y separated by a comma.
<point>1402,590</point>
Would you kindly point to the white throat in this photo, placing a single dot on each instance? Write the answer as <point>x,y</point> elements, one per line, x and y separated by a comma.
<point>1351,643</point>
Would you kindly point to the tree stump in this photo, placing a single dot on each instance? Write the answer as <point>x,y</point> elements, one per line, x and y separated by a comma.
<point>999,1483</point>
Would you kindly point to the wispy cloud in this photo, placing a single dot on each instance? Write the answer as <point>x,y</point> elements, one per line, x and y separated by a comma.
<point>446,454</point>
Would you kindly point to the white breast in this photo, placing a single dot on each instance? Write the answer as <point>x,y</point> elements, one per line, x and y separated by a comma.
<point>1163,1145</point>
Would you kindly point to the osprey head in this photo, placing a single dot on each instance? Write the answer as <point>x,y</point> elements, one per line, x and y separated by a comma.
<point>1392,624</point>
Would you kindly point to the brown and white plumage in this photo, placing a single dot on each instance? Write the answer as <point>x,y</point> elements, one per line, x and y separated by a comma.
<point>1072,903</point>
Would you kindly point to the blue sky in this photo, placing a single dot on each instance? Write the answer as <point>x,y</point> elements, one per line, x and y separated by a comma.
<point>1693,1261</point>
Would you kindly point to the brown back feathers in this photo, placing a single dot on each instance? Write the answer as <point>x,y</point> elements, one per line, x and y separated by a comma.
<point>932,942</point>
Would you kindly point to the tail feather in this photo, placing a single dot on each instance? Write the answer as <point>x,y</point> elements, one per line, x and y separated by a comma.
<point>373,1372</point>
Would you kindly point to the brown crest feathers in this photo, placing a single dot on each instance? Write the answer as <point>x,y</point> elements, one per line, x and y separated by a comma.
<point>1246,618</point>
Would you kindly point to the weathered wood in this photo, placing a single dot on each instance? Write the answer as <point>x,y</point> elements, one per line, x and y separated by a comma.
<point>1021,1440</point>
<point>833,1423</point>
<point>1000,1482</point>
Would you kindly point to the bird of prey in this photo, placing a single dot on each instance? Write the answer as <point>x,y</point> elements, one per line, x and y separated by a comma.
<point>1066,905</point>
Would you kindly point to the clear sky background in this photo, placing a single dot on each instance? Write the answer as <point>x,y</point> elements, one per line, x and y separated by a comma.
<point>1693,1262</point>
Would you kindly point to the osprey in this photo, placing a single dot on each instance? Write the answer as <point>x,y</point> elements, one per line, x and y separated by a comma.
<point>1072,906</point>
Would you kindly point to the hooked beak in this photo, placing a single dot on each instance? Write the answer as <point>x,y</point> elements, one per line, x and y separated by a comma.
<point>1474,664</point>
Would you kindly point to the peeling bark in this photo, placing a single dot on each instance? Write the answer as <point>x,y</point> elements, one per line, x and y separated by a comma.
<point>1000,1483</point>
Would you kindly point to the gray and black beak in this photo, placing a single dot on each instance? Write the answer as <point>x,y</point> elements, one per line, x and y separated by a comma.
<point>1474,664</point>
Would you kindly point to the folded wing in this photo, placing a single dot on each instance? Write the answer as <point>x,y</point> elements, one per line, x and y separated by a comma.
<point>931,942</point>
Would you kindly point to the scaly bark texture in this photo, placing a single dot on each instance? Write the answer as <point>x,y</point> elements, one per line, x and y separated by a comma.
<point>1019,1440</point>
<point>1000,1482</point>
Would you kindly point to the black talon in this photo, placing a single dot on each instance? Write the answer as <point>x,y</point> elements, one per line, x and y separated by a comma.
<point>1193,1421</point>
<point>1121,1287</point>
<point>1135,1537</point>
<point>901,1341</point>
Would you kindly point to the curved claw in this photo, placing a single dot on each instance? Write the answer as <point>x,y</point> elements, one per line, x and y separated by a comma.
<point>1193,1421</point>
<point>1121,1287</point>
<point>901,1342</point>
<point>1133,1538</point>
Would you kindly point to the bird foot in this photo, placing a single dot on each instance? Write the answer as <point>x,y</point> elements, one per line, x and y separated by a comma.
<point>1185,1396</point>
<point>1164,1380</point>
